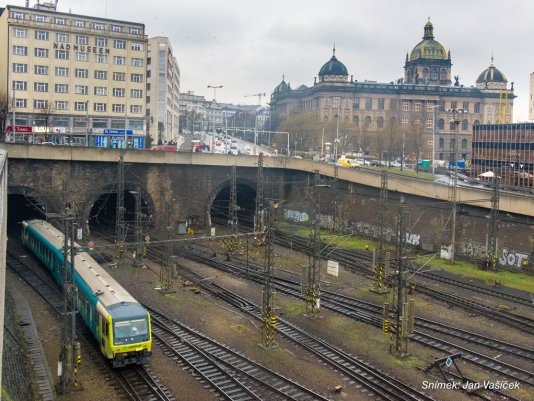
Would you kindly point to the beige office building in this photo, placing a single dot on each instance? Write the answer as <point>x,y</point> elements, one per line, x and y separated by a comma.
<point>73,78</point>
<point>163,89</point>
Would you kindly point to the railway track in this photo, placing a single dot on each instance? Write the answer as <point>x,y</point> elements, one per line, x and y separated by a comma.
<point>375,383</point>
<point>232,374</point>
<point>361,263</point>
<point>136,383</point>
<point>372,314</point>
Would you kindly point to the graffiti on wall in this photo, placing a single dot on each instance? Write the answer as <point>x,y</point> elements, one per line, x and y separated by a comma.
<point>413,239</point>
<point>472,250</point>
<point>295,215</point>
<point>516,260</point>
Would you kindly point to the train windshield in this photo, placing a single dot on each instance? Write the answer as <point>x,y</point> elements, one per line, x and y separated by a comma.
<point>130,328</point>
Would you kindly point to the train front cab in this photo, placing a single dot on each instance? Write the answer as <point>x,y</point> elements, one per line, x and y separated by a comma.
<point>126,341</point>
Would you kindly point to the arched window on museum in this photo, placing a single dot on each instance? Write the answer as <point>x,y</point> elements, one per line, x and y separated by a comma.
<point>367,122</point>
<point>380,122</point>
<point>392,121</point>
<point>326,118</point>
<point>441,143</point>
<point>464,125</point>
<point>442,74</point>
<point>356,120</point>
<point>451,126</point>
<point>425,74</point>
<point>464,143</point>
<point>476,122</point>
<point>433,73</point>
<point>441,124</point>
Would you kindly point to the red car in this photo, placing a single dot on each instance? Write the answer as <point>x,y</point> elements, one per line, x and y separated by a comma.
<point>165,148</point>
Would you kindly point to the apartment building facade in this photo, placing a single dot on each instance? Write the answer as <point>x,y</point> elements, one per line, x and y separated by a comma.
<point>163,89</point>
<point>73,79</point>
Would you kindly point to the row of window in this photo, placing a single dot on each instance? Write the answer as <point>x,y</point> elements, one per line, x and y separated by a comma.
<point>78,56</point>
<point>452,143</point>
<point>74,22</point>
<point>418,105</point>
<point>41,104</point>
<point>78,72</point>
<point>78,89</point>
<point>416,121</point>
<point>63,37</point>
<point>38,120</point>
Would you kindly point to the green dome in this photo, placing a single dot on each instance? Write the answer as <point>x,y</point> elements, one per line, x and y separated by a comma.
<point>491,74</point>
<point>333,67</point>
<point>282,87</point>
<point>429,48</point>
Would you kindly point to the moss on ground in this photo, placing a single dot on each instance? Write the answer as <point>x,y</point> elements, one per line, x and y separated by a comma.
<point>517,280</point>
<point>520,281</point>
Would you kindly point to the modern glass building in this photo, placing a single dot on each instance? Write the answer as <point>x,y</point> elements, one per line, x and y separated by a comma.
<point>506,151</point>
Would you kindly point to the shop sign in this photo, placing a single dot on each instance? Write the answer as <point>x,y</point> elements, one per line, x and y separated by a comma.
<point>19,128</point>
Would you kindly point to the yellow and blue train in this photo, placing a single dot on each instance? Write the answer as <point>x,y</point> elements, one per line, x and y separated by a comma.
<point>118,322</point>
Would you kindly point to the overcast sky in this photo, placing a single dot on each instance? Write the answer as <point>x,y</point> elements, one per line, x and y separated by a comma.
<point>246,45</point>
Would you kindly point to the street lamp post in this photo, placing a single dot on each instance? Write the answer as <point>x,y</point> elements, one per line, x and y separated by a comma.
<point>456,121</point>
<point>336,142</point>
<point>214,87</point>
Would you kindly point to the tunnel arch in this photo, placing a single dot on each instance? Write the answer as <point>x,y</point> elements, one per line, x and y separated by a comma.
<point>218,202</point>
<point>24,203</point>
<point>101,208</point>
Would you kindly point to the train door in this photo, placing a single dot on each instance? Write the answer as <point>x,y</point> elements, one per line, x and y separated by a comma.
<point>103,335</point>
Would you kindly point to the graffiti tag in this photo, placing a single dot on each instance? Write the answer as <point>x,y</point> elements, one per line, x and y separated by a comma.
<point>413,239</point>
<point>513,259</point>
<point>295,215</point>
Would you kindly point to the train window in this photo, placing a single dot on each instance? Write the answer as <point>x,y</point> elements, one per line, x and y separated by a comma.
<point>130,328</point>
<point>104,325</point>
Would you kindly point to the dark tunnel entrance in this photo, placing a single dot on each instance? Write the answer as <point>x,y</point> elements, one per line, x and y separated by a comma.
<point>19,208</point>
<point>103,214</point>
<point>246,202</point>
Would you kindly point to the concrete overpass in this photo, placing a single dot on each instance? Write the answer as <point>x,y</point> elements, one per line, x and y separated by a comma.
<point>510,202</point>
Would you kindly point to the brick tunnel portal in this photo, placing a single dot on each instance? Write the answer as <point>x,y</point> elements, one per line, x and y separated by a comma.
<point>246,203</point>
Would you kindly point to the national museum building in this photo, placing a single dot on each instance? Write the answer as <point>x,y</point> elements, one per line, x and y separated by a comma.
<point>423,99</point>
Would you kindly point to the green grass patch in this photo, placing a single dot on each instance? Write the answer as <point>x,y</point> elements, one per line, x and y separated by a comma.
<point>343,241</point>
<point>409,362</point>
<point>520,281</point>
<point>293,308</point>
<point>517,280</point>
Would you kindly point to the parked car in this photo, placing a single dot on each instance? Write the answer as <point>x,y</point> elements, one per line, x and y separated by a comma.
<point>165,148</point>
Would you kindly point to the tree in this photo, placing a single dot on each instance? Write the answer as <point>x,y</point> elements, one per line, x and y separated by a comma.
<point>5,110</point>
<point>307,128</point>
<point>393,140</point>
<point>43,118</point>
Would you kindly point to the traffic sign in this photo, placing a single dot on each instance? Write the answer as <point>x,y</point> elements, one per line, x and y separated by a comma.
<point>91,244</point>
<point>147,238</point>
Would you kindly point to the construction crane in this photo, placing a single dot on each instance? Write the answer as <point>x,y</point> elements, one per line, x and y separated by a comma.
<point>260,95</point>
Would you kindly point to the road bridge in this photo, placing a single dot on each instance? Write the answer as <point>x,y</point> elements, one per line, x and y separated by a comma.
<point>198,186</point>
<point>510,202</point>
